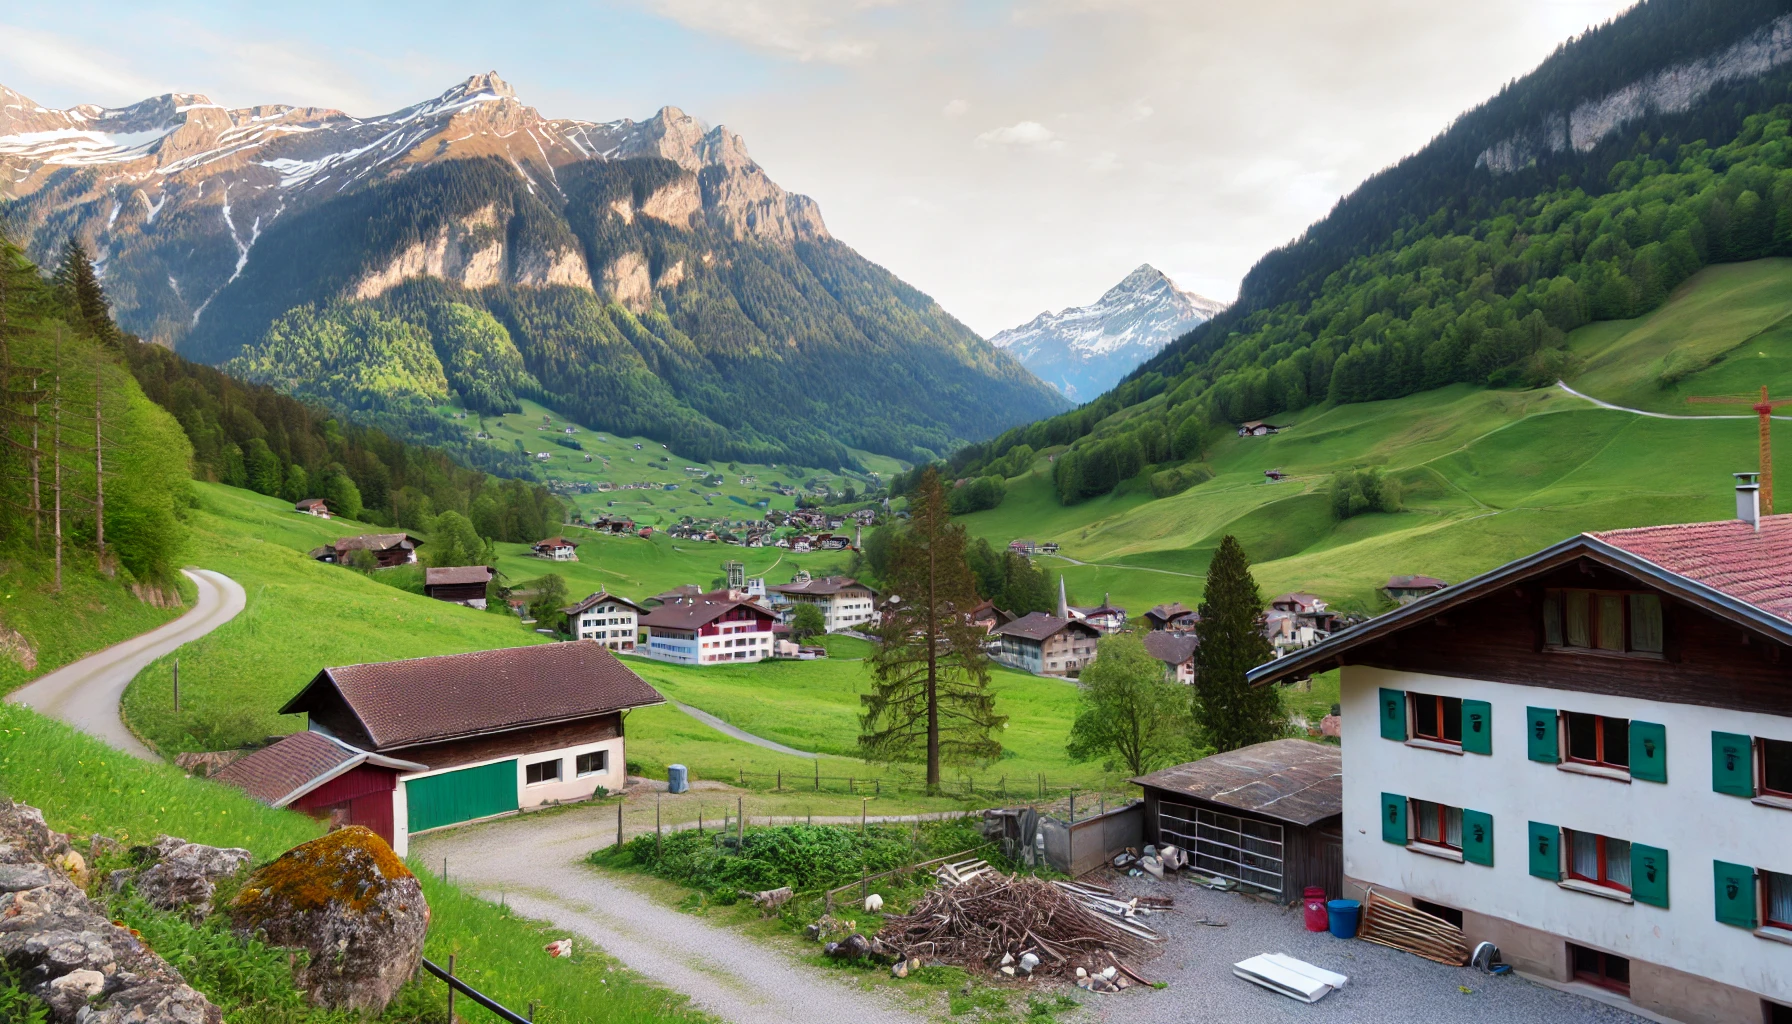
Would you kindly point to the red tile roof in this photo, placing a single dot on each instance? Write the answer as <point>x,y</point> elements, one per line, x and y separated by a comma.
<point>692,612</point>
<point>1731,557</point>
<point>288,769</point>
<point>425,700</point>
<point>556,542</point>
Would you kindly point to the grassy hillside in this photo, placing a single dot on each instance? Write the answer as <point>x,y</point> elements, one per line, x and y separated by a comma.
<point>1487,475</point>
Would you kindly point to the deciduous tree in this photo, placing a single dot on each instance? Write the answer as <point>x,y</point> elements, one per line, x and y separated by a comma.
<point>1129,712</point>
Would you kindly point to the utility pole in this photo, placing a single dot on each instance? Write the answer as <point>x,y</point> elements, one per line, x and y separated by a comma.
<point>56,452</point>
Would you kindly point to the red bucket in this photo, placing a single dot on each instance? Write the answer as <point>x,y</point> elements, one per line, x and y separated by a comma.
<point>1317,918</point>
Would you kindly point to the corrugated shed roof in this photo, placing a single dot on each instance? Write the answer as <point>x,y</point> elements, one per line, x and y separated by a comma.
<point>1290,780</point>
<point>1731,557</point>
<point>425,700</point>
<point>449,575</point>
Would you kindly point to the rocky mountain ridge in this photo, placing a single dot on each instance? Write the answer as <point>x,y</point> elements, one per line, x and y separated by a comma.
<point>1084,350</point>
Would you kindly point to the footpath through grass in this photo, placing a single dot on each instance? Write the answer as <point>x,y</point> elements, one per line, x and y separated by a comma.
<point>84,787</point>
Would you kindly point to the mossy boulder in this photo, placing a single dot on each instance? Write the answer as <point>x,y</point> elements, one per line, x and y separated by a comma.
<point>349,902</point>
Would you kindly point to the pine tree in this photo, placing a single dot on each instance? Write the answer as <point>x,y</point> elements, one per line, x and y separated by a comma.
<point>78,288</point>
<point>930,699</point>
<point>1230,712</point>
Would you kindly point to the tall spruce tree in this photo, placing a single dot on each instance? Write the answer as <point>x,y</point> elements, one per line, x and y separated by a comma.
<point>1230,712</point>
<point>930,699</point>
<point>78,287</point>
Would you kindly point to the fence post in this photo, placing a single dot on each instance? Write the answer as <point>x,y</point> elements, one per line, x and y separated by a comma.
<point>1073,807</point>
<point>1103,805</point>
<point>743,776</point>
<point>818,775</point>
<point>656,825</point>
<point>740,823</point>
<point>450,986</point>
<point>531,1010</point>
<point>864,811</point>
<point>1002,792</point>
<point>879,791</point>
<point>177,684</point>
<point>445,873</point>
<point>780,780</point>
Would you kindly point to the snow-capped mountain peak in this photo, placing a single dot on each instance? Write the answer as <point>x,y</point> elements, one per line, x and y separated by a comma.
<point>1085,350</point>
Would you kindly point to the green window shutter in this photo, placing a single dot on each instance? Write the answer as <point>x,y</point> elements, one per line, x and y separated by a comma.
<point>1540,734</point>
<point>1393,818</point>
<point>1477,837</point>
<point>1477,727</point>
<point>1393,714</point>
<point>1648,751</point>
<point>1546,862</point>
<point>1649,874</point>
<point>1735,894</point>
<point>1732,764</point>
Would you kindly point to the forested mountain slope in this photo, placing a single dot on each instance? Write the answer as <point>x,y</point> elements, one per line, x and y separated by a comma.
<point>1585,192</point>
<point>646,278</point>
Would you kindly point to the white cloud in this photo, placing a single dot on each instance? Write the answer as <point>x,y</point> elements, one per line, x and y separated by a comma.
<point>956,108</point>
<point>1106,160</point>
<point>807,30</point>
<point>48,58</point>
<point>1022,135</point>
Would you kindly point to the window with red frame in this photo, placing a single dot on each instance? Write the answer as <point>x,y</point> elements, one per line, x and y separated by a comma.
<point>1436,718</point>
<point>1599,859</point>
<point>1598,740</point>
<point>1776,900</point>
<point>1436,824</point>
<point>1602,969</point>
<point>1776,767</point>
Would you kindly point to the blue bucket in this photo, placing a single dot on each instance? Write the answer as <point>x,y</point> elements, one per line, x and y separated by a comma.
<point>678,780</point>
<point>1344,916</point>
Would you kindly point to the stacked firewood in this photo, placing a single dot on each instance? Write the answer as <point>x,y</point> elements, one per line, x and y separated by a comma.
<point>1388,923</point>
<point>990,919</point>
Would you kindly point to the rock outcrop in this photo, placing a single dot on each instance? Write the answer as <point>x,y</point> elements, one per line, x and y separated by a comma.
<point>350,902</point>
<point>186,875</point>
<point>65,948</point>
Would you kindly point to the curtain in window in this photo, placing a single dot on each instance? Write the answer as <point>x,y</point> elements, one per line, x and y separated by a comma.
<point>1583,853</point>
<point>1617,862</point>
<point>1453,827</point>
<point>1579,618</point>
<point>1645,623</point>
<point>1425,820</point>
<point>1779,897</point>
<point>1552,618</point>
<point>1611,622</point>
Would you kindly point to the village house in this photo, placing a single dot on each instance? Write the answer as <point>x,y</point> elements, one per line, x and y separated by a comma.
<point>1269,816</point>
<point>1046,644</point>
<point>1176,651</point>
<point>705,629</point>
<point>1022,547</point>
<point>403,747</point>
<point>1407,589</point>
<point>460,584</point>
<point>558,549</point>
<point>845,603</point>
<point>610,620</point>
<point>1257,428</point>
<point>989,616</point>
<point>1106,616</point>
<point>388,549</point>
<point>312,507</point>
<point>1175,617</point>
<point>1585,756</point>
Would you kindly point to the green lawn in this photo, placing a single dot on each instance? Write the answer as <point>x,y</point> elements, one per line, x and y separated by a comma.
<point>91,612</point>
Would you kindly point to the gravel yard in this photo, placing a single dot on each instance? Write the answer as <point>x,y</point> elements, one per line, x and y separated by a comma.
<point>1385,984</point>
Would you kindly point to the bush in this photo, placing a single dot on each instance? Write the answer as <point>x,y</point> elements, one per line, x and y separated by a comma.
<point>985,492</point>
<point>1354,492</point>
<point>804,857</point>
<point>1166,482</point>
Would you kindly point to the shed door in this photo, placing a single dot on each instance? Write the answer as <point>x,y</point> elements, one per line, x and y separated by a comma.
<point>1247,851</point>
<point>444,799</point>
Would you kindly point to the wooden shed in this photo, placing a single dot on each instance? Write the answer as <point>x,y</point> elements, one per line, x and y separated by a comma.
<point>1268,816</point>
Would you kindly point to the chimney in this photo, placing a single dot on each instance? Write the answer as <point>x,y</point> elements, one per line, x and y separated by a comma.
<point>1748,499</point>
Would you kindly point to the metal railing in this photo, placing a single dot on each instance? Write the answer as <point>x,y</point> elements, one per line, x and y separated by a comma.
<point>457,985</point>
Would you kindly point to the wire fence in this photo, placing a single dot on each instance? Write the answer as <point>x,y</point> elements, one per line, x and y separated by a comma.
<point>999,789</point>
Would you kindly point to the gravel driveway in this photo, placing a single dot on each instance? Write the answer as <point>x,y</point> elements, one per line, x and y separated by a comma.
<point>1385,984</point>
<point>535,862</point>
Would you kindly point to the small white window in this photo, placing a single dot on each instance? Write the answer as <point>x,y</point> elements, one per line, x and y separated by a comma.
<point>594,763</point>
<point>542,771</point>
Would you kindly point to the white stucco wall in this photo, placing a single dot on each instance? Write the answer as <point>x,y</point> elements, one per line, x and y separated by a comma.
<point>571,786</point>
<point>1684,816</point>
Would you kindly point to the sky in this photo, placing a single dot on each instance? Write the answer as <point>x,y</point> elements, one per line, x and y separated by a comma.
<point>1004,156</point>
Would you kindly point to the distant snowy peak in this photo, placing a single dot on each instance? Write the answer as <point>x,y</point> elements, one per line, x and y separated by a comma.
<point>1085,350</point>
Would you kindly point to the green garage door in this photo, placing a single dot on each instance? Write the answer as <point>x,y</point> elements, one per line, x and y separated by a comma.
<point>470,793</point>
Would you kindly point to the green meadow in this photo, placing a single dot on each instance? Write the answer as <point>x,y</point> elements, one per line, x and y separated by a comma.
<point>1486,475</point>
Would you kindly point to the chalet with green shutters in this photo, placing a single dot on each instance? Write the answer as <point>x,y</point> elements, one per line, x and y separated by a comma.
<point>439,741</point>
<point>1585,757</point>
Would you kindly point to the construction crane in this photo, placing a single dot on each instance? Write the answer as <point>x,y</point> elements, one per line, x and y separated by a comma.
<point>1764,408</point>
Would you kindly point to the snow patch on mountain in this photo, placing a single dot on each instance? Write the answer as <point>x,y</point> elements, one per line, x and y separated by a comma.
<point>1085,350</point>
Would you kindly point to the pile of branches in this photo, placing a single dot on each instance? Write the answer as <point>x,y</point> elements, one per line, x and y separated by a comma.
<point>978,923</point>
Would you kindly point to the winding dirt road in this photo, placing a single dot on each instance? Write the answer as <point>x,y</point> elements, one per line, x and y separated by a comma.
<point>85,693</point>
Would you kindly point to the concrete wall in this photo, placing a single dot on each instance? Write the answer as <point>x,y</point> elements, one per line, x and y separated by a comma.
<point>1695,825</point>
